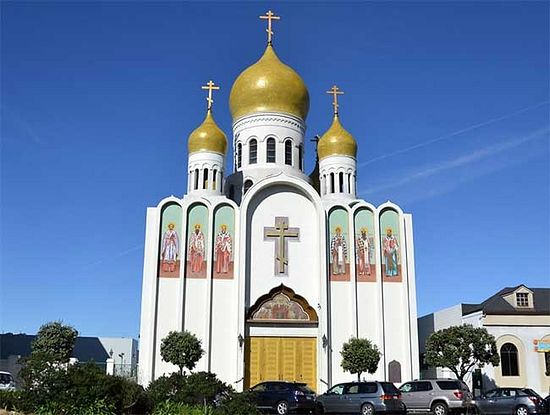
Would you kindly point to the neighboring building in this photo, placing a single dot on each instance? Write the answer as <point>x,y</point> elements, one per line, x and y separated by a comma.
<point>519,319</point>
<point>272,269</point>
<point>124,351</point>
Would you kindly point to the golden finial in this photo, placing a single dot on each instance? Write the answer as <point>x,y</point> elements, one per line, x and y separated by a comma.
<point>211,87</point>
<point>269,16</point>
<point>334,91</point>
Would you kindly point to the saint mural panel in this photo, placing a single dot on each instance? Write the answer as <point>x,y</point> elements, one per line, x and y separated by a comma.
<point>169,250</point>
<point>365,254</point>
<point>197,235</point>
<point>224,226</point>
<point>391,246</point>
<point>339,245</point>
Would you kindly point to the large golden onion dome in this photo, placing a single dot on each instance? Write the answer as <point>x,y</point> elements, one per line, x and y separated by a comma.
<point>207,137</point>
<point>336,141</point>
<point>269,86</point>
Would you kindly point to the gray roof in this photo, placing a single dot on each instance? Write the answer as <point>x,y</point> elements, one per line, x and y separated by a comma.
<point>496,304</point>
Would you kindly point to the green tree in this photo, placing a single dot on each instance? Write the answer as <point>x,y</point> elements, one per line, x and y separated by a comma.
<point>460,348</point>
<point>182,349</point>
<point>360,355</point>
<point>55,341</point>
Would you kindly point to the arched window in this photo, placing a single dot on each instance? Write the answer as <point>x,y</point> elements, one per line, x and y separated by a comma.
<point>247,185</point>
<point>205,179</point>
<point>301,156</point>
<point>288,152</point>
<point>349,182</point>
<point>331,183</point>
<point>270,150</point>
<point>394,369</point>
<point>239,155</point>
<point>341,182</point>
<point>253,151</point>
<point>196,184</point>
<point>509,360</point>
<point>214,178</point>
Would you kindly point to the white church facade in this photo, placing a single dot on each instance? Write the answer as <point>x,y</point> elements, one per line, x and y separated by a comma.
<point>271,268</point>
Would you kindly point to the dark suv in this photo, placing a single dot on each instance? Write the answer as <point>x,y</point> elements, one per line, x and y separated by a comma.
<point>436,395</point>
<point>283,397</point>
<point>366,398</point>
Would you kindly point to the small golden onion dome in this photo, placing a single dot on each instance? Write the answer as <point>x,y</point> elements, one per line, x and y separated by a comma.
<point>207,137</point>
<point>336,141</point>
<point>269,86</point>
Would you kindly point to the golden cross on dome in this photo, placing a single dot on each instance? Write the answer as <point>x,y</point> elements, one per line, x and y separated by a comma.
<point>269,16</point>
<point>334,91</point>
<point>211,87</point>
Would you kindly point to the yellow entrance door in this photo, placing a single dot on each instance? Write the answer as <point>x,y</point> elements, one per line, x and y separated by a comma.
<point>293,359</point>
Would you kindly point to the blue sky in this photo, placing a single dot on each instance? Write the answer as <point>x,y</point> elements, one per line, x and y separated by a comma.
<point>448,102</point>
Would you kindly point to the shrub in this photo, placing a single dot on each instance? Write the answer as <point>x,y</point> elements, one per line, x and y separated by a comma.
<point>177,408</point>
<point>10,400</point>
<point>237,404</point>
<point>201,388</point>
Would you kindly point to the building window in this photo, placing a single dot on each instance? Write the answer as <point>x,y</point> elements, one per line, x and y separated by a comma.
<point>341,182</point>
<point>253,151</point>
<point>394,369</point>
<point>214,178</point>
<point>239,155</point>
<point>547,363</point>
<point>247,185</point>
<point>509,360</point>
<point>205,179</point>
<point>196,184</point>
<point>288,152</point>
<point>331,183</point>
<point>522,299</point>
<point>270,150</point>
<point>301,156</point>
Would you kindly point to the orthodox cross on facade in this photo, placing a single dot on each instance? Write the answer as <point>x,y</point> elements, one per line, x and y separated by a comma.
<point>279,233</point>
<point>211,87</point>
<point>269,16</point>
<point>334,91</point>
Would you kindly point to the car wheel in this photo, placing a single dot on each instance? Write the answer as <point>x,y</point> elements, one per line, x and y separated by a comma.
<point>521,410</point>
<point>367,409</point>
<point>319,410</point>
<point>282,408</point>
<point>440,408</point>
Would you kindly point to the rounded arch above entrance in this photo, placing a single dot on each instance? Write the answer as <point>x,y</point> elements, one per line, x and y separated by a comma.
<point>282,304</point>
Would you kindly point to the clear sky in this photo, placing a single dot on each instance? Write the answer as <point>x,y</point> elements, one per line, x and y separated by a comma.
<point>448,102</point>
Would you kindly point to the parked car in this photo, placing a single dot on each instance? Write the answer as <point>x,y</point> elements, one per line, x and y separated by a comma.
<point>439,396</point>
<point>7,383</point>
<point>517,401</point>
<point>283,397</point>
<point>365,398</point>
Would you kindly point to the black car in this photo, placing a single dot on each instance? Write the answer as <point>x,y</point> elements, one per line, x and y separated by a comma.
<point>283,397</point>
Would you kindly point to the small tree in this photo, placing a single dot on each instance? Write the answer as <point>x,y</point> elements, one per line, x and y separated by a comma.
<point>360,355</point>
<point>460,348</point>
<point>55,341</point>
<point>182,349</point>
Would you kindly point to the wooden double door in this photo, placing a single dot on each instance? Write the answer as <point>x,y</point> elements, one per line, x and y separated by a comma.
<point>292,359</point>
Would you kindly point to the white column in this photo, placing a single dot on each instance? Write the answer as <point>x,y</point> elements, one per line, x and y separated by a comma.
<point>353,183</point>
<point>323,184</point>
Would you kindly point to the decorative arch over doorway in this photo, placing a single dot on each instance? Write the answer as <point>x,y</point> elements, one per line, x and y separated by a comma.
<point>282,305</point>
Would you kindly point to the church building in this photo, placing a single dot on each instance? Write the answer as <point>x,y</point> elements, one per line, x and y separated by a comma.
<point>271,268</point>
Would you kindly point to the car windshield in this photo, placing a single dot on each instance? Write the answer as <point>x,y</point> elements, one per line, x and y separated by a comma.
<point>530,392</point>
<point>336,390</point>
<point>389,388</point>
<point>303,388</point>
